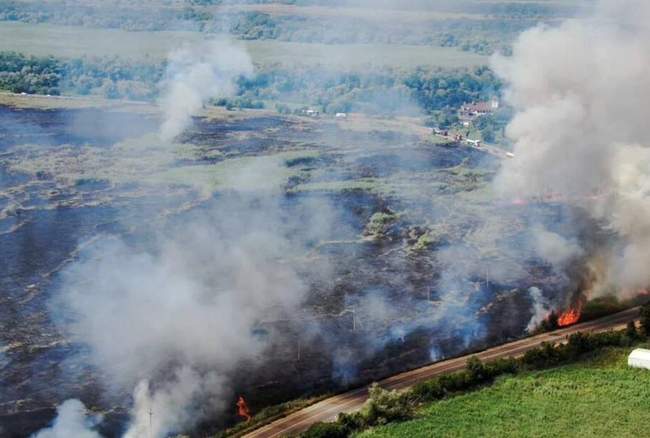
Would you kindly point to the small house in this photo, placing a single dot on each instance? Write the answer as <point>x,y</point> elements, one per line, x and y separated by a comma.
<point>311,112</point>
<point>473,110</point>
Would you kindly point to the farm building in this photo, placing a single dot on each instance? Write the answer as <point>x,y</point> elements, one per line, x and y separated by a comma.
<point>473,110</point>
<point>639,358</point>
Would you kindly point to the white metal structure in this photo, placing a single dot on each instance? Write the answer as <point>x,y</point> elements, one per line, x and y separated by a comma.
<point>639,358</point>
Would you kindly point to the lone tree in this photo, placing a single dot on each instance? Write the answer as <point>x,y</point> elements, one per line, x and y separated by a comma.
<point>630,330</point>
<point>645,319</point>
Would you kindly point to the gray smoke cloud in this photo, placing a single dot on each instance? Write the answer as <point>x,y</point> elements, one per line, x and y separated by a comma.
<point>71,421</point>
<point>175,319</point>
<point>553,248</point>
<point>580,129</point>
<point>196,74</point>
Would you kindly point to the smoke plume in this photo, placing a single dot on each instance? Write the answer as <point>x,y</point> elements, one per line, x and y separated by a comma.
<point>541,308</point>
<point>195,75</point>
<point>71,421</point>
<point>175,318</point>
<point>580,128</point>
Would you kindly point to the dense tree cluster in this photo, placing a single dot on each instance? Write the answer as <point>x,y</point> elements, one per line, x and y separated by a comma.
<point>387,91</point>
<point>108,77</point>
<point>21,74</point>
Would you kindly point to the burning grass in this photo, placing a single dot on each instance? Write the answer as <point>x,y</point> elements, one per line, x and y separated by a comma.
<point>268,415</point>
<point>597,397</point>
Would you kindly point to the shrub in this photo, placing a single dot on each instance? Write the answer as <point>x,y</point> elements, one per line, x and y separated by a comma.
<point>428,391</point>
<point>645,319</point>
<point>455,382</point>
<point>502,366</point>
<point>385,406</point>
<point>544,356</point>
<point>381,223</point>
<point>476,369</point>
<point>326,430</point>
<point>352,422</point>
<point>631,332</point>
<point>579,343</point>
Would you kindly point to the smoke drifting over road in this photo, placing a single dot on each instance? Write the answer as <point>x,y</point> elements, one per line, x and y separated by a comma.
<point>195,75</point>
<point>580,128</point>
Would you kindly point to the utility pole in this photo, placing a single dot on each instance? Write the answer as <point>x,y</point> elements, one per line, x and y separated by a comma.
<point>299,350</point>
<point>487,276</point>
<point>150,422</point>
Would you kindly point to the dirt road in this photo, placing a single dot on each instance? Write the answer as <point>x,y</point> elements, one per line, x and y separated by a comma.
<point>328,409</point>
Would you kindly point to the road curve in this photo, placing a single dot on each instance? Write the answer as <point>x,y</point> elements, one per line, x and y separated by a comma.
<point>351,401</point>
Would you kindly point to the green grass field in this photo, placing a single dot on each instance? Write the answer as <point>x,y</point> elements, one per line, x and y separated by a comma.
<point>74,41</point>
<point>599,397</point>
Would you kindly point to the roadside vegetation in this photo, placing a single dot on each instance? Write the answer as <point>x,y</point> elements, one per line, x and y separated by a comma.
<point>517,384</point>
<point>599,396</point>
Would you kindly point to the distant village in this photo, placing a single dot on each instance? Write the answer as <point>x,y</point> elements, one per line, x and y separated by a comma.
<point>467,114</point>
<point>471,111</point>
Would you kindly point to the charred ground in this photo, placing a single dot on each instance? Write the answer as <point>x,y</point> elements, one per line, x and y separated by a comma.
<point>406,210</point>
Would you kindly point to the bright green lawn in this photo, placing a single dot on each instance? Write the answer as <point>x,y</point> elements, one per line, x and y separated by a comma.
<point>597,398</point>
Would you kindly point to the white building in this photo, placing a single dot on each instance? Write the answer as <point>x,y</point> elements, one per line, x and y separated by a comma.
<point>639,358</point>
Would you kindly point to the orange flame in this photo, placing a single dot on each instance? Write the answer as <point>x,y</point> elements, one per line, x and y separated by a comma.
<point>242,409</point>
<point>569,317</point>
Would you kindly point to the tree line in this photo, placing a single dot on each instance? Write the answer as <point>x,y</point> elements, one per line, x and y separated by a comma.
<point>485,35</point>
<point>436,91</point>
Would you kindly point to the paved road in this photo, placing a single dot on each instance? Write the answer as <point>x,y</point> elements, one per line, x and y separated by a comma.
<point>328,409</point>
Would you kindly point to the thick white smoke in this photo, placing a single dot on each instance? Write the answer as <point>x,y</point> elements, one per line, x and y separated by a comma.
<point>174,317</point>
<point>196,74</point>
<point>541,308</point>
<point>171,403</point>
<point>71,421</point>
<point>580,130</point>
<point>553,248</point>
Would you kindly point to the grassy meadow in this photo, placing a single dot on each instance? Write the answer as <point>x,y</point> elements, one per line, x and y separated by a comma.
<point>600,397</point>
<point>77,41</point>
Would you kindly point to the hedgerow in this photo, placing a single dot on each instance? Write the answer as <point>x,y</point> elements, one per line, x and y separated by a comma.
<point>385,406</point>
